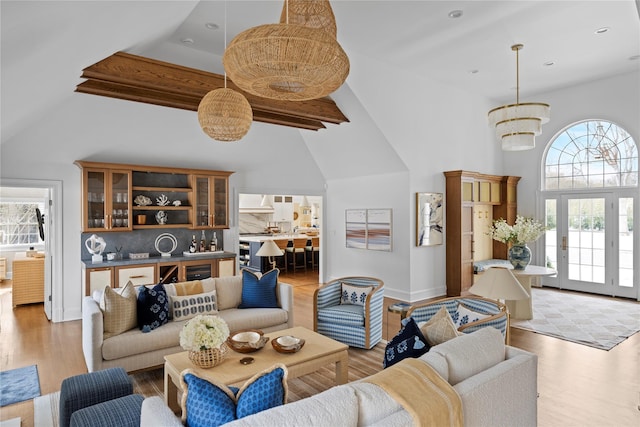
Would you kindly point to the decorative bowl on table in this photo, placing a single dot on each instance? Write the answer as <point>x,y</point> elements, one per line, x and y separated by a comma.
<point>287,344</point>
<point>247,341</point>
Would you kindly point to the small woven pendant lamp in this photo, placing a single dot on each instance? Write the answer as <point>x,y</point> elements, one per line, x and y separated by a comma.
<point>295,60</point>
<point>224,114</point>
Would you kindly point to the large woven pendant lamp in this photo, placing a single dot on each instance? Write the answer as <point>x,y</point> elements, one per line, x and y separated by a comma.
<point>295,60</point>
<point>518,124</point>
<point>224,114</point>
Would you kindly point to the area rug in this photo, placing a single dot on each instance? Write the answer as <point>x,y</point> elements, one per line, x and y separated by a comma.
<point>18,385</point>
<point>581,318</point>
<point>362,363</point>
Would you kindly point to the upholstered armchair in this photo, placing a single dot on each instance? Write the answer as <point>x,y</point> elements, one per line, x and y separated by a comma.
<point>349,310</point>
<point>495,313</point>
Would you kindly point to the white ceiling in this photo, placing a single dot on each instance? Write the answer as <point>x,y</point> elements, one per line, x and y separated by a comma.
<point>45,45</point>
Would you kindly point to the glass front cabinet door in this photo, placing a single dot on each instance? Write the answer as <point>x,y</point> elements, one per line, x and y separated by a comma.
<point>211,209</point>
<point>106,204</point>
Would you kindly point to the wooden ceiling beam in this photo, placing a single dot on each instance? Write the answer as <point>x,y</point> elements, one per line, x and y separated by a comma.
<point>136,78</point>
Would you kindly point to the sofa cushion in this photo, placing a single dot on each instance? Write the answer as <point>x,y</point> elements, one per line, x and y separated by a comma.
<point>347,314</point>
<point>409,342</point>
<point>209,403</point>
<point>188,306</point>
<point>228,291</point>
<point>190,288</point>
<point>134,342</point>
<point>259,292</point>
<point>119,310</point>
<point>153,307</point>
<point>260,318</point>
<point>472,353</point>
<point>439,328</point>
<point>464,315</point>
<point>356,295</point>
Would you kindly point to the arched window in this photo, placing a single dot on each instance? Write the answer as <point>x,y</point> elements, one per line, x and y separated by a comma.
<point>591,154</point>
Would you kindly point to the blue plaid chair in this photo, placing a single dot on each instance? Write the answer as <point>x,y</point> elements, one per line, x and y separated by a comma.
<point>499,316</point>
<point>352,324</point>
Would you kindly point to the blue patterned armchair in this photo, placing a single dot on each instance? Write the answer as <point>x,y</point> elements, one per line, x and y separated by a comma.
<point>347,313</point>
<point>497,311</point>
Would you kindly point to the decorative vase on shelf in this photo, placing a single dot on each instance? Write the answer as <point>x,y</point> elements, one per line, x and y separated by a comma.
<point>519,256</point>
<point>210,357</point>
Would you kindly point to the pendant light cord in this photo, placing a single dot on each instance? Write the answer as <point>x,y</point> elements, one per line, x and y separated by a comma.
<point>225,40</point>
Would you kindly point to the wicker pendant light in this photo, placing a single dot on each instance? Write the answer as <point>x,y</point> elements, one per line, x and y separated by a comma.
<point>518,124</point>
<point>297,59</point>
<point>224,114</point>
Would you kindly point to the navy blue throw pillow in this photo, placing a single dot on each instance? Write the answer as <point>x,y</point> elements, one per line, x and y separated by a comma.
<point>153,307</point>
<point>259,292</point>
<point>408,343</point>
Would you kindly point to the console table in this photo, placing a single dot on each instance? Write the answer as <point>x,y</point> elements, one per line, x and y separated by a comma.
<point>28,281</point>
<point>523,309</point>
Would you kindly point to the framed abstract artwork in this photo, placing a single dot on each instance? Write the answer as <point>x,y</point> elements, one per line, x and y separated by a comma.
<point>369,229</point>
<point>429,217</point>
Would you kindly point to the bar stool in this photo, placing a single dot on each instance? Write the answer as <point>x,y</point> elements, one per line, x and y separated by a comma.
<point>298,247</point>
<point>282,244</point>
<point>312,250</point>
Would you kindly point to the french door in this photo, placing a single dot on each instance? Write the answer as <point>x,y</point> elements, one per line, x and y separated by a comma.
<point>590,241</point>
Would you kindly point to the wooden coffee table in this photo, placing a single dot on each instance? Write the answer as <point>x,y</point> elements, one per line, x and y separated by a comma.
<point>317,352</point>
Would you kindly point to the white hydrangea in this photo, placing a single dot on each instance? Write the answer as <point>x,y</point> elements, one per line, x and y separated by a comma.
<point>204,332</point>
<point>523,231</point>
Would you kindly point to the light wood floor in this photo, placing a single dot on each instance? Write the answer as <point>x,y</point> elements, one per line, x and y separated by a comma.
<point>578,385</point>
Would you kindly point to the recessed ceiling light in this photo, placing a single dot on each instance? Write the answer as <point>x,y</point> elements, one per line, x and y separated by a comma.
<point>212,25</point>
<point>549,63</point>
<point>187,41</point>
<point>455,14</point>
<point>474,71</point>
<point>634,57</point>
<point>602,30</point>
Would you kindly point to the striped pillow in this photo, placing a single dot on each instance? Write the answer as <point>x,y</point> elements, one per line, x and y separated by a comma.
<point>119,310</point>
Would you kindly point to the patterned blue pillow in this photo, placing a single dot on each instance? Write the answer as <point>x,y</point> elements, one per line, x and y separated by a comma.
<point>410,342</point>
<point>153,307</point>
<point>207,403</point>
<point>259,292</point>
<point>356,295</point>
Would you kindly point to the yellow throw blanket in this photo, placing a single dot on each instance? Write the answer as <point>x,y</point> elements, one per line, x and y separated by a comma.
<point>189,288</point>
<point>422,392</point>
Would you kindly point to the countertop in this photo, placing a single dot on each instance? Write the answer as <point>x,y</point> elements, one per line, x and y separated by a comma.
<point>264,238</point>
<point>157,258</point>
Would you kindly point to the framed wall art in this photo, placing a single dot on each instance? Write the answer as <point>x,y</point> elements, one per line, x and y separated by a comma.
<point>369,229</point>
<point>429,219</point>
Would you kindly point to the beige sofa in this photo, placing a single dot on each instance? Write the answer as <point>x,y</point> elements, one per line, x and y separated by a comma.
<point>497,385</point>
<point>134,350</point>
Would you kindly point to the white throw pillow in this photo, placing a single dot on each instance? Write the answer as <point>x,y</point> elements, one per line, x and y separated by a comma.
<point>188,306</point>
<point>356,295</point>
<point>465,315</point>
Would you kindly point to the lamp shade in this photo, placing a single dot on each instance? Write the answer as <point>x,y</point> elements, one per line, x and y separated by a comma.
<point>499,283</point>
<point>225,115</point>
<point>269,248</point>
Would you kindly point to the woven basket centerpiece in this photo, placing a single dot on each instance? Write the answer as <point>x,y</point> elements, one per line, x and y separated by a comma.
<point>210,357</point>
<point>296,60</point>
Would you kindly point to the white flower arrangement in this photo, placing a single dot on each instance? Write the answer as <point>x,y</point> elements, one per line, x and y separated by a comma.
<point>523,231</point>
<point>204,332</point>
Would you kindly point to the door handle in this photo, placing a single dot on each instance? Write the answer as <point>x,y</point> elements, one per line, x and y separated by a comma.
<point>564,243</point>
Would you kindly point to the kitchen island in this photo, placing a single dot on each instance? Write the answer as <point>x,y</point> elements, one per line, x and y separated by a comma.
<point>250,244</point>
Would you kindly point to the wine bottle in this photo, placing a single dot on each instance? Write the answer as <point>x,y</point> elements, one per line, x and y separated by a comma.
<point>202,242</point>
<point>193,245</point>
<point>214,242</point>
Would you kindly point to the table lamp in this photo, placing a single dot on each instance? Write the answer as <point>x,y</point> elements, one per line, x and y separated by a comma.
<point>270,249</point>
<point>499,283</point>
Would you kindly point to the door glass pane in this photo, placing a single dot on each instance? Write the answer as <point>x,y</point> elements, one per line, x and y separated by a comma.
<point>202,201</point>
<point>586,253</point>
<point>551,235</point>
<point>625,242</point>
